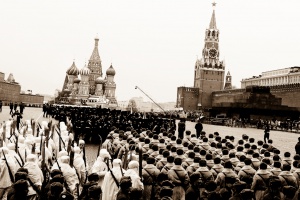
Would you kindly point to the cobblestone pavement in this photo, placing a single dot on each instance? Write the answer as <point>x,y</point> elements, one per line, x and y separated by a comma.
<point>285,141</point>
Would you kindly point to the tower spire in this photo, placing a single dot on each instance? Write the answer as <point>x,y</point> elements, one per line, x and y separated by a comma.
<point>96,40</point>
<point>213,24</point>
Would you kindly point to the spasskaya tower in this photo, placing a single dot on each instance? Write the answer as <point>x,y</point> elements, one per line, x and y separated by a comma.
<point>209,70</point>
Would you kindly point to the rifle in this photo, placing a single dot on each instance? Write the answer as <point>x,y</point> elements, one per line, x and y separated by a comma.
<point>52,130</point>
<point>20,157</point>
<point>9,170</point>
<point>46,130</point>
<point>100,145</point>
<point>41,143</point>
<point>25,155</point>
<point>16,147</point>
<point>125,158</point>
<point>65,184</point>
<point>112,174</point>
<point>60,139</point>
<point>12,134</point>
<point>2,140</point>
<point>59,144</point>
<point>57,163</point>
<point>140,160</point>
<point>72,159</point>
<point>40,127</point>
<point>84,159</point>
<point>69,146</point>
<point>33,148</point>
<point>121,170</point>
<point>33,127</point>
<point>18,161</point>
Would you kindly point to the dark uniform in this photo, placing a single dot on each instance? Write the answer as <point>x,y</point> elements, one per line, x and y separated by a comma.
<point>267,133</point>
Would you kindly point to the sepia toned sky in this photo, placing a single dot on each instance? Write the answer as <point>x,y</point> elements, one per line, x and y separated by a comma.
<point>152,44</point>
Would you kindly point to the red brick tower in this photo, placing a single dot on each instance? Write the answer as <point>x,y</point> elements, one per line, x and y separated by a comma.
<point>228,82</point>
<point>209,70</point>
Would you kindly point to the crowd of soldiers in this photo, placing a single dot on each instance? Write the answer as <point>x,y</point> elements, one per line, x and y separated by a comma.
<point>46,161</point>
<point>90,122</point>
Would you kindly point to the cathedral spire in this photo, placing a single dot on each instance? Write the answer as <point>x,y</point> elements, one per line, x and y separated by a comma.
<point>213,24</point>
<point>95,67</point>
<point>95,55</point>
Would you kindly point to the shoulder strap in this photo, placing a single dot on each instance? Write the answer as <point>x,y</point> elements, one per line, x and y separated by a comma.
<point>286,180</point>
<point>182,182</point>
<point>115,179</point>
<point>112,174</point>
<point>262,179</point>
<point>191,141</point>
<point>153,180</point>
<point>245,172</point>
<point>225,179</point>
<point>214,170</point>
<point>203,177</point>
<point>287,162</point>
<point>166,168</point>
<point>193,168</point>
<point>187,163</point>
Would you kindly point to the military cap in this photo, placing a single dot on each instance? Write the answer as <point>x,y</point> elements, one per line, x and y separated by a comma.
<point>150,160</point>
<point>179,152</point>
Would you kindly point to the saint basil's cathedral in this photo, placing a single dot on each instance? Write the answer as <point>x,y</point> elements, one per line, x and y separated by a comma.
<point>91,88</point>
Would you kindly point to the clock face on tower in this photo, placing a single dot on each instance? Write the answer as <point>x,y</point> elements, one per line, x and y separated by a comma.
<point>212,53</point>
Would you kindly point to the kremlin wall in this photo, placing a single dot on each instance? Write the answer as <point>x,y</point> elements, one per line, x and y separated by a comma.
<point>10,90</point>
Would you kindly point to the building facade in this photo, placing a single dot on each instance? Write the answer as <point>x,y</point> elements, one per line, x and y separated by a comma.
<point>10,91</point>
<point>88,86</point>
<point>209,73</point>
<point>285,76</point>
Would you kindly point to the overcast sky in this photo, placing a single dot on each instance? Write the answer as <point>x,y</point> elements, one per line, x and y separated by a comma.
<point>152,44</point>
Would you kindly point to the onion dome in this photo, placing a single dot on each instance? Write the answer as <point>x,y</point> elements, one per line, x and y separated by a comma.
<point>110,71</point>
<point>73,70</point>
<point>76,80</point>
<point>100,80</point>
<point>85,71</point>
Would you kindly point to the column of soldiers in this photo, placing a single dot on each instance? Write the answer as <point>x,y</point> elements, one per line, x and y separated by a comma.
<point>89,122</point>
<point>45,161</point>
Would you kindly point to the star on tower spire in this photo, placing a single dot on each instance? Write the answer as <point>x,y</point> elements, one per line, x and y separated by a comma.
<point>213,24</point>
<point>214,4</point>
